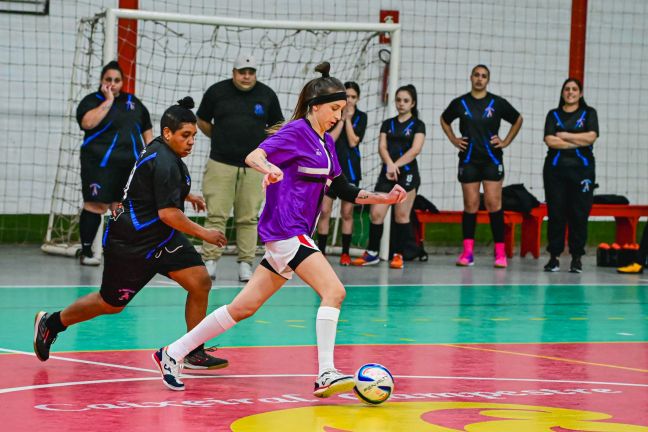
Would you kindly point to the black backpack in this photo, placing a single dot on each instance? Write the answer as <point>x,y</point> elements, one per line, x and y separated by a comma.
<point>516,197</point>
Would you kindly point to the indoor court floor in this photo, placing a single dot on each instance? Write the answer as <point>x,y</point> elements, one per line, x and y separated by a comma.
<point>471,349</point>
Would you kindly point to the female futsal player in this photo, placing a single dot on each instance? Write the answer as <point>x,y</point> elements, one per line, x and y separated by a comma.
<point>299,164</point>
<point>401,141</point>
<point>569,173</point>
<point>115,123</point>
<point>347,133</point>
<point>480,157</point>
<point>145,237</point>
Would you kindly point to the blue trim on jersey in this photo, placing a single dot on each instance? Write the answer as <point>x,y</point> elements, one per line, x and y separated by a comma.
<point>135,149</point>
<point>104,161</point>
<point>560,123</point>
<point>487,144</point>
<point>165,241</point>
<point>139,226</point>
<point>355,122</point>
<point>470,147</point>
<point>147,158</point>
<point>95,135</point>
<point>129,102</point>
<point>105,236</point>
<point>100,97</point>
<point>555,159</point>
<point>407,128</point>
<point>583,158</point>
<point>581,120</point>
<point>407,167</point>
<point>351,172</point>
<point>465,105</point>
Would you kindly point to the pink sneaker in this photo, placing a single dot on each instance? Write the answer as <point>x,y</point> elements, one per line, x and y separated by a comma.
<point>500,256</point>
<point>466,258</point>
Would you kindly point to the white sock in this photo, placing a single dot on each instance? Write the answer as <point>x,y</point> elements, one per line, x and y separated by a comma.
<point>211,326</point>
<point>325,328</point>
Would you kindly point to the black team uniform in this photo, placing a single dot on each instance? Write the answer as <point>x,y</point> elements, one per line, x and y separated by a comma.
<point>400,137</point>
<point>108,153</point>
<point>479,120</point>
<point>569,177</point>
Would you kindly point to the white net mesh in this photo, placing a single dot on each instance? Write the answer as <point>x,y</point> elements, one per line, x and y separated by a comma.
<point>178,59</point>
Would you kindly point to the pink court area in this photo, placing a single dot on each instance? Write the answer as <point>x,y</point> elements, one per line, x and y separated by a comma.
<point>482,388</point>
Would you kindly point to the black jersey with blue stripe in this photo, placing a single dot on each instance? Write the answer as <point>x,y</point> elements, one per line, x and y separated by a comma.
<point>400,137</point>
<point>348,157</point>
<point>117,139</point>
<point>584,119</point>
<point>479,120</point>
<point>159,179</point>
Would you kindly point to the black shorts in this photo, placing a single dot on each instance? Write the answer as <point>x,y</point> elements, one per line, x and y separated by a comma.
<point>477,172</point>
<point>302,253</point>
<point>407,180</point>
<point>105,185</point>
<point>333,196</point>
<point>124,275</point>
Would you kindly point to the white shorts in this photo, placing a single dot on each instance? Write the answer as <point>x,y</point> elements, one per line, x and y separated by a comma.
<point>281,252</point>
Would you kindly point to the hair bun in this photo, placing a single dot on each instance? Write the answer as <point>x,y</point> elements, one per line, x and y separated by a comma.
<point>187,102</point>
<point>323,68</point>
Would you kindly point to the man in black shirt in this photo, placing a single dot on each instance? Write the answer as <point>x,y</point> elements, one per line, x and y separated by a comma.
<point>235,113</point>
<point>145,237</point>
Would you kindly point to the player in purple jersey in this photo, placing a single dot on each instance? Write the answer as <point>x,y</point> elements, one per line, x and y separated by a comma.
<point>300,165</point>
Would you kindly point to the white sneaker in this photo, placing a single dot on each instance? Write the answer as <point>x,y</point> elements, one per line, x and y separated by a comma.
<point>89,261</point>
<point>169,368</point>
<point>211,268</point>
<point>245,271</point>
<point>332,381</point>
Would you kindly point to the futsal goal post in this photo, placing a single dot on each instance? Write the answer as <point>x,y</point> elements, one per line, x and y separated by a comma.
<point>180,54</point>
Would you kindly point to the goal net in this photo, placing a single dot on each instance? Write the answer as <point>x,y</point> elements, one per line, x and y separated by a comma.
<point>179,55</point>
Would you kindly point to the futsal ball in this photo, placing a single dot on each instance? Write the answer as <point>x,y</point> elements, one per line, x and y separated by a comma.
<point>374,384</point>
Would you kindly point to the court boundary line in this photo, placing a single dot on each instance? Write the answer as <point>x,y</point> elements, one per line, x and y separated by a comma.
<point>561,359</point>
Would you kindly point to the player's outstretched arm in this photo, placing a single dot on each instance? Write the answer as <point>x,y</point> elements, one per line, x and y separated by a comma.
<point>176,219</point>
<point>348,192</point>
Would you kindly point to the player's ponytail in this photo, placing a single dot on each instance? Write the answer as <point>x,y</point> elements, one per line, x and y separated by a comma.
<point>409,88</point>
<point>318,91</point>
<point>175,115</point>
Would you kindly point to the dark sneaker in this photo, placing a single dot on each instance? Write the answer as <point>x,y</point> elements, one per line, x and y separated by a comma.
<point>553,265</point>
<point>43,336</point>
<point>576,265</point>
<point>202,359</point>
<point>169,368</point>
<point>332,381</point>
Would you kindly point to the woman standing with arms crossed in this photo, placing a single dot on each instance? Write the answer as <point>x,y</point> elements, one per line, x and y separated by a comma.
<point>299,164</point>
<point>117,126</point>
<point>401,141</point>
<point>480,158</point>
<point>569,173</point>
<point>347,133</point>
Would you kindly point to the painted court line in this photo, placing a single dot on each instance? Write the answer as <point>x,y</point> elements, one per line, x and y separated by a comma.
<point>567,360</point>
<point>118,380</point>
<point>89,362</point>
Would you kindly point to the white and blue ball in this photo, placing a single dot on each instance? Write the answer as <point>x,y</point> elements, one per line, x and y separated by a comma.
<point>374,383</point>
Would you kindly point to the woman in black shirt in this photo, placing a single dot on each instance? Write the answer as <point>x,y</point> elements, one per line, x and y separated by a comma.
<point>401,141</point>
<point>347,133</point>
<point>569,173</point>
<point>117,126</point>
<point>145,237</point>
<point>480,157</point>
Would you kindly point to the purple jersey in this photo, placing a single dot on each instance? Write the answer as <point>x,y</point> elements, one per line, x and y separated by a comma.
<point>309,164</point>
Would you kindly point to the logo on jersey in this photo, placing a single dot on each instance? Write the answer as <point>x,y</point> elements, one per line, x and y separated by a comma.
<point>586,185</point>
<point>318,152</point>
<point>489,111</point>
<point>94,188</point>
<point>580,122</point>
<point>258,110</point>
<point>130,105</point>
<point>188,180</point>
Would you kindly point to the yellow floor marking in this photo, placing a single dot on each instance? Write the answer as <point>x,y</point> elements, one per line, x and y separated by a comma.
<point>500,319</point>
<point>262,322</point>
<point>566,360</point>
<point>368,334</point>
<point>296,326</point>
<point>578,319</point>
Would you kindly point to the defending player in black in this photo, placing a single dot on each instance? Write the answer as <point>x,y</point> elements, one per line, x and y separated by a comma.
<point>145,237</point>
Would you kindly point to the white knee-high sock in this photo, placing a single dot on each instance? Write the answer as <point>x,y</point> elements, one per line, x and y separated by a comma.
<point>325,328</point>
<point>211,326</point>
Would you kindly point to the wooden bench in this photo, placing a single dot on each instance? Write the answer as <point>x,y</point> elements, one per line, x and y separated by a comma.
<point>626,217</point>
<point>511,219</point>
